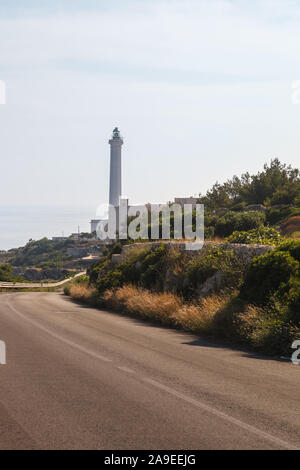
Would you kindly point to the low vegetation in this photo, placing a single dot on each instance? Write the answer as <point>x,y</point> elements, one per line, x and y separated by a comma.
<point>256,303</point>
<point>259,236</point>
<point>42,253</point>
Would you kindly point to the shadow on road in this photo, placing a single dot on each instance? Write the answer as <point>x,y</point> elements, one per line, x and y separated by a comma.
<point>194,340</point>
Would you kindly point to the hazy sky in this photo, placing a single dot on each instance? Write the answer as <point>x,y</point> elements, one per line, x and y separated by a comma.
<point>200,90</point>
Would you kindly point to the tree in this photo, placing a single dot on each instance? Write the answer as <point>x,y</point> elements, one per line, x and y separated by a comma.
<point>278,183</point>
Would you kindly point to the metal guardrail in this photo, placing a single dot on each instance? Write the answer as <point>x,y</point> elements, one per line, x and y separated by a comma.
<point>37,285</point>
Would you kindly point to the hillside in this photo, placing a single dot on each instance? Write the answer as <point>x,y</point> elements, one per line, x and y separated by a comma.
<point>47,259</point>
<point>243,287</point>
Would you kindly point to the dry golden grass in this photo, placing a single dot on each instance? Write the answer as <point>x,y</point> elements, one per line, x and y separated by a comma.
<point>83,293</point>
<point>218,239</point>
<point>199,318</point>
<point>165,307</point>
<point>143,303</point>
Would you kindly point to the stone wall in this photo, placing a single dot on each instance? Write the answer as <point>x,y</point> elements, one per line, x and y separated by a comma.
<point>245,252</point>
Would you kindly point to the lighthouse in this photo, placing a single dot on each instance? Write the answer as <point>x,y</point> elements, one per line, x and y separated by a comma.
<point>115,181</point>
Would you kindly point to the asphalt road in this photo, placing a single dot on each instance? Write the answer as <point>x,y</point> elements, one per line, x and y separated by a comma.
<point>81,378</point>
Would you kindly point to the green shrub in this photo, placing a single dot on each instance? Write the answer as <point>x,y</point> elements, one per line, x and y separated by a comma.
<point>292,247</point>
<point>274,336</point>
<point>116,249</point>
<point>81,279</point>
<point>289,295</point>
<point>238,221</point>
<point>261,235</point>
<point>98,268</point>
<point>198,269</point>
<point>267,330</point>
<point>266,274</point>
<point>110,280</point>
<point>276,216</point>
<point>209,232</point>
<point>6,274</point>
<point>67,290</point>
<point>144,268</point>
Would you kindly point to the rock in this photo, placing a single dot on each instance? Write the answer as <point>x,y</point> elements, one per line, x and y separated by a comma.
<point>54,273</point>
<point>138,265</point>
<point>116,259</point>
<point>32,275</point>
<point>212,284</point>
<point>171,281</point>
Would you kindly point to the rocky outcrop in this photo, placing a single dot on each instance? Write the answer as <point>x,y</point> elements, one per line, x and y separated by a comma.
<point>212,284</point>
<point>32,274</point>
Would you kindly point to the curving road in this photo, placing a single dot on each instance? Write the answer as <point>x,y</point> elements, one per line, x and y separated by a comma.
<point>37,285</point>
<point>81,378</point>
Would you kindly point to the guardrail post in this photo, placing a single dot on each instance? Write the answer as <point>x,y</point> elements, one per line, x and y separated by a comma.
<point>2,352</point>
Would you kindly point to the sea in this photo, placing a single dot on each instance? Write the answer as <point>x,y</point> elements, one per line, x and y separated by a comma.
<point>20,224</point>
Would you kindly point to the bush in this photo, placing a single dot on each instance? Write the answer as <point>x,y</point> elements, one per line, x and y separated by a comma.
<point>81,279</point>
<point>266,274</point>
<point>290,297</point>
<point>144,267</point>
<point>67,290</point>
<point>6,274</point>
<point>198,269</point>
<point>83,293</point>
<point>267,330</point>
<point>209,232</point>
<point>261,235</point>
<point>290,246</point>
<point>274,336</point>
<point>110,280</point>
<point>238,221</point>
<point>97,268</point>
<point>276,216</point>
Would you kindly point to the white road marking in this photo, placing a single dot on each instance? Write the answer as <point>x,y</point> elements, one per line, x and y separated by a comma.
<point>222,415</point>
<point>60,338</point>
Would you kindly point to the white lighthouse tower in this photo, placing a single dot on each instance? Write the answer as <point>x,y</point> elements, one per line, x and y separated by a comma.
<point>115,182</point>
